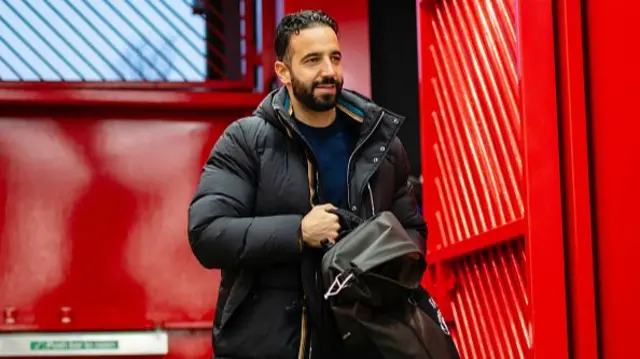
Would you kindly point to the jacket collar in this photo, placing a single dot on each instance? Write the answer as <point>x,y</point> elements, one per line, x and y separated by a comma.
<point>356,106</point>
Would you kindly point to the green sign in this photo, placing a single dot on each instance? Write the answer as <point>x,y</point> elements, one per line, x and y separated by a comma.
<point>74,345</point>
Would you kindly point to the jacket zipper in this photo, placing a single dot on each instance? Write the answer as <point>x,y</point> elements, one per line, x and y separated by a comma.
<point>303,331</point>
<point>303,326</point>
<point>373,206</point>
<point>358,145</point>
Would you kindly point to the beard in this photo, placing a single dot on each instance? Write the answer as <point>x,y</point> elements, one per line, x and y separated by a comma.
<point>304,93</point>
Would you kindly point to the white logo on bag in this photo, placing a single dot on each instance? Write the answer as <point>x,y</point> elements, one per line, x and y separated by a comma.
<point>443,324</point>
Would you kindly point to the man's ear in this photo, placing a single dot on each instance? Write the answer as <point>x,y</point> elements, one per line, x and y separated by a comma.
<point>283,73</point>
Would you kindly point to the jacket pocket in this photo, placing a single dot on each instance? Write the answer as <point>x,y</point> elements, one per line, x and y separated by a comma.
<point>265,324</point>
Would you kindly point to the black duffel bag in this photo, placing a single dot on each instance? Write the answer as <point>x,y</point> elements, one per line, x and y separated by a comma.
<point>371,278</point>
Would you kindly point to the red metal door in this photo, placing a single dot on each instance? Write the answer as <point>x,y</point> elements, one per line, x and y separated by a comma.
<point>108,111</point>
<point>491,175</point>
<point>94,197</point>
<point>612,75</point>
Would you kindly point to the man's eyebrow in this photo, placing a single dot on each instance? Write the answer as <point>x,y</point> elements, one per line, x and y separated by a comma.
<point>312,54</point>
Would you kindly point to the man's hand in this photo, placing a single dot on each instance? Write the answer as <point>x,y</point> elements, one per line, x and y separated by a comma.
<point>319,225</point>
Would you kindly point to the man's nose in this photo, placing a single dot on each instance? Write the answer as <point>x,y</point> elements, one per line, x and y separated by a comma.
<point>328,68</point>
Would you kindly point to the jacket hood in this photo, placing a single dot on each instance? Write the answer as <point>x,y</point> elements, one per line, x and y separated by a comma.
<point>357,106</point>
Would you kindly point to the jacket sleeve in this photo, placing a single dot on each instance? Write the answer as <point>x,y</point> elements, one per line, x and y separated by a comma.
<point>404,206</point>
<point>223,233</point>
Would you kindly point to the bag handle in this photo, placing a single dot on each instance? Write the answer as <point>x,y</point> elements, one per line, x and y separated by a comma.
<point>348,220</point>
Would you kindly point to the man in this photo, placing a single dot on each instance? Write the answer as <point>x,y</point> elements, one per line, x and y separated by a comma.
<point>267,190</point>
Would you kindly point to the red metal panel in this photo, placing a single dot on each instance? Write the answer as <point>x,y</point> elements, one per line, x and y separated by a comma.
<point>612,75</point>
<point>34,96</point>
<point>269,22</point>
<point>473,139</point>
<point>581,308</point>
<point>545,247</point>
<point>492,122</point>
<point>93,221</point>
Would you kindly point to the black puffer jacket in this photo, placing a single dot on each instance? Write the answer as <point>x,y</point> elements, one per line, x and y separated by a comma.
<point>245,217</point>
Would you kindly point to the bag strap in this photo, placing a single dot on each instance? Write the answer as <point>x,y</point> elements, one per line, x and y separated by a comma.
<point>348,220</point>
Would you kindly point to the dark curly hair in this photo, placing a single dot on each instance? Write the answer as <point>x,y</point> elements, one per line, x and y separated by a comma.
<point>294,23</point>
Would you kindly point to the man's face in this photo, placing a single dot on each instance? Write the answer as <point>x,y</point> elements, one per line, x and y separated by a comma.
<point>315,70</point>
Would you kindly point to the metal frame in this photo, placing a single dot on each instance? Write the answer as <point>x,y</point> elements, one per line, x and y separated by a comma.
<point>487,240</point>
<point>117,100</point>
<point>117,95</point>
<point>576,187</point>
<point>247,83</point>
<point>545,246</point>
<point>213,85</point>
<point>474,272</point>
<point>542,225</point>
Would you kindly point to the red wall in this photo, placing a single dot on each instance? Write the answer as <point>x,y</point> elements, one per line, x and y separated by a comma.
<point>612,98</point>
<point>353,20</point>
<point>94,191</point>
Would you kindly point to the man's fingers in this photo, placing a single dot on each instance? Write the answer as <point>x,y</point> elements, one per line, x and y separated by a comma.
<point>327,242</point>
<point>328,207</point>
<point>333,217</point>
<point>332,236</point>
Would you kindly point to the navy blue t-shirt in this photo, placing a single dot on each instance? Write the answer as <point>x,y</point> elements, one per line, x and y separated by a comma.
<point>332,146</point>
